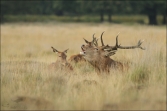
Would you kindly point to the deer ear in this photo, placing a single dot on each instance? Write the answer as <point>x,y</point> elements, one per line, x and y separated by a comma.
<point>54,50</point>
<point>66,50</point>
<point>86,41</point>
<point>108,54</point>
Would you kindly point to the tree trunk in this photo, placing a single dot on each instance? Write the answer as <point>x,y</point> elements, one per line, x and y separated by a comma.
<point>164,19</point>
<point>59,13</point>
<point>101,16</point>
<point>2,17</point>
<point>109,17</point>
<point>78,17</point>
<point>152,17</point>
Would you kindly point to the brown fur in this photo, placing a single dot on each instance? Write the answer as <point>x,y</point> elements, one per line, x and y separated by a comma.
<point>96,57</point>
<point>99,56</point>
<point>76,58</point>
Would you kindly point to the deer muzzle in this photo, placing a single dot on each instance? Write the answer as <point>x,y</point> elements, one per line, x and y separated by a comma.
<point>83,51</point>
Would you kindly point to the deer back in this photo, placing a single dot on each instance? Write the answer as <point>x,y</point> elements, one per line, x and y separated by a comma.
<point>76,58</point>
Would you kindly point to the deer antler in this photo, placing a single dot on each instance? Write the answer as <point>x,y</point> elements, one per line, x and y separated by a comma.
<point>111,50</point>
<point>132,47</point>
<point>95,40</point>
<point>102,43</point>
<point>124,47</point>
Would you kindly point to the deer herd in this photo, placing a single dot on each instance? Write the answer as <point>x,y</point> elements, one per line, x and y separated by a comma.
<point>97,55</point>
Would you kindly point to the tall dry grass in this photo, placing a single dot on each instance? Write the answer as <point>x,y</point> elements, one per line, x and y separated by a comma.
<point>26,82</point>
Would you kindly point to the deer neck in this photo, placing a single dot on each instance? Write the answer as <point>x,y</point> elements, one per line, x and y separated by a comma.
<point>62,61</point>
<point>103,64</point>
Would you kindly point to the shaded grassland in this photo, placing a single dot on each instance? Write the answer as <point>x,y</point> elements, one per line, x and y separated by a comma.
<point>26,82</point>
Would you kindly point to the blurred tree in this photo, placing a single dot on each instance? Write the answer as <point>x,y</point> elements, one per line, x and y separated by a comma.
<point>99,7</point>
<point>151,8</point>
<point>3,10</point>
<point>162,10</point>
<point>115,7</point>
<point>95,7</point>
<point>78,7</point>
<point>45,7</point>
<point>109,6</point>
<point>58,7</point>
<point>66,7</point>
<point>164,17</point>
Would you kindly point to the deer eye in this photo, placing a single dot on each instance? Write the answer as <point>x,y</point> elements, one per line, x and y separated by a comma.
<point>96,49</point>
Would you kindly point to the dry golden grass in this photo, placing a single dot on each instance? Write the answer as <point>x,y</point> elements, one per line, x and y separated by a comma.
<point>26,53</point>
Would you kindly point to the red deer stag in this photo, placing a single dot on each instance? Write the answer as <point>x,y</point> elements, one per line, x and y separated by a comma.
<point>61,62</point>
<point>99,56</point>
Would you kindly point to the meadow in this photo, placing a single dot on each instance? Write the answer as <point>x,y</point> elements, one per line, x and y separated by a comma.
<point>26,82</point>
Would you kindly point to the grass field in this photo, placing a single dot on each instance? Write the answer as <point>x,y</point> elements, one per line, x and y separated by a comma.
<point>26,82</point>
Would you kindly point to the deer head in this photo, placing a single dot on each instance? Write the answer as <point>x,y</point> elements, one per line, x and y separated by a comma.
<point>92,49</point>
<point>99,56</point>
<point>61,61</point>
<point>61,55</point>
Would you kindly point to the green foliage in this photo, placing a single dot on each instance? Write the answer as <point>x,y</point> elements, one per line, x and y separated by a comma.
<point>131,19</point>
<point>77,8</point>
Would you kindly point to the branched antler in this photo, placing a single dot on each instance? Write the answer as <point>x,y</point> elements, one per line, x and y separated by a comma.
<point>111,50</point>
<point>132,47</point>
<point>124,47</point>
<point>95,41</point>
<point>102,43</point>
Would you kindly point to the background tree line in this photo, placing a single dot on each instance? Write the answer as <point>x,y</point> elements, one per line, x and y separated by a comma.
<point>150,8</point>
